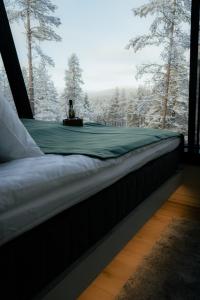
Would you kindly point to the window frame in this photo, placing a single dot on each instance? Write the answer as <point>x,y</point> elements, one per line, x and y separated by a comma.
<point>194,101</point>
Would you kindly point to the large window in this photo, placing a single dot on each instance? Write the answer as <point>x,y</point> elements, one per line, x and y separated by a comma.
<point>123,63</point>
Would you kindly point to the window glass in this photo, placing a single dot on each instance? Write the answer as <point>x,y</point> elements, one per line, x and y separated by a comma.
<point>123,63</point>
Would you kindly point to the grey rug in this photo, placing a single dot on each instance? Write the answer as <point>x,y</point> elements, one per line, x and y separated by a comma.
<point>172,270</point>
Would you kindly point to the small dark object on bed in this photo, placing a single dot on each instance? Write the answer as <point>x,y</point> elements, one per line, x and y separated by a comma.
<point>73,122</point>
<point>71,110</point>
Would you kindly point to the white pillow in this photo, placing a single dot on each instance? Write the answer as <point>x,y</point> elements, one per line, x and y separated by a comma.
<point>15,141</point>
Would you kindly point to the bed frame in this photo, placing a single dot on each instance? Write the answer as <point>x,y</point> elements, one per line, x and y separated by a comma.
<point>59,258</point>
<point>70,284</point>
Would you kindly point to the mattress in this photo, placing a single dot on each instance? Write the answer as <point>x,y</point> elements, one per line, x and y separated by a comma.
<point>32,190</point>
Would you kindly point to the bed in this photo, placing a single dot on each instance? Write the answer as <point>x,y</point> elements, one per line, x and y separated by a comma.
<point>63,217</point>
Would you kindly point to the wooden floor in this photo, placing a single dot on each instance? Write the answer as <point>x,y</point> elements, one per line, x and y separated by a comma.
<point>185,202</point>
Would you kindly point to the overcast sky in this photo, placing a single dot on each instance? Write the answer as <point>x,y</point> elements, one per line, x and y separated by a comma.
<point>98,32</point>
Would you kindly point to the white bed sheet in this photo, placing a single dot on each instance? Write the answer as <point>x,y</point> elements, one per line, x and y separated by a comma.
<point>34,189</point>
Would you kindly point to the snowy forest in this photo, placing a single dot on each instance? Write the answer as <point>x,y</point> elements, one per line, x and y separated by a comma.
<point>160,102</point>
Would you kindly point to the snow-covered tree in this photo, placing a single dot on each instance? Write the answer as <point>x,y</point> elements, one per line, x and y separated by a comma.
<point>101,110</point>
<point>39,22</point>
<point>87,110</point>
<point>5,87</point>
<point>46,98</point>
<point>169,78</point>
<point>131,114</point>
<point>73,85</point>
<point>144,101</point>
<point>115,115</point>
<point>86,104</point>
<point>123,102</point>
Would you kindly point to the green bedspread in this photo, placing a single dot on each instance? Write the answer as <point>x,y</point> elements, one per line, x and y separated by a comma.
<point>92,139</point>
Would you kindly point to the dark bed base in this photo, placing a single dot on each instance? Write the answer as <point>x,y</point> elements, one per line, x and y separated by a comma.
<point>33,260</point>
<point>71,283</point>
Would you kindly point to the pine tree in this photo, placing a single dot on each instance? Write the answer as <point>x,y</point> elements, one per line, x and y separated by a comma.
<point>5,87</point>
<point>100,111</point>
<point>86,104</point>
<point>144,100</point>
<point>46,97</point>
<point>123,102</point>
<point>115,112</point>
<point>87,110</point>
<point>170,78</point>
<point>73,85</point>
<point>38,20</point>
<point>132,117</point>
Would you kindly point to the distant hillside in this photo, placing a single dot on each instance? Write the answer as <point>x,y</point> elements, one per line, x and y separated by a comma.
<point>107,94</point>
